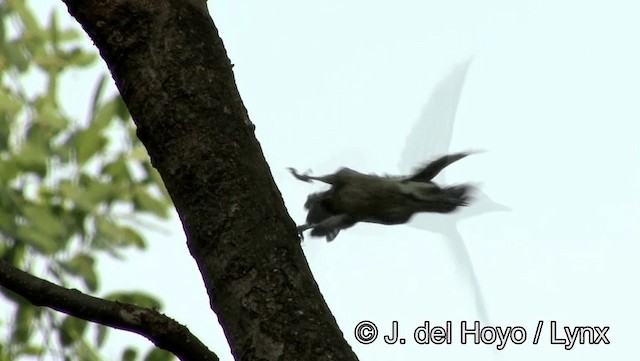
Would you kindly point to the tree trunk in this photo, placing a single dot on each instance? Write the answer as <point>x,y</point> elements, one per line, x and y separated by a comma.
<point>173,72</point>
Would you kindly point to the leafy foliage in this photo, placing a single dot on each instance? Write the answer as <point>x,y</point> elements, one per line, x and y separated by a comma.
<point>68,191</point>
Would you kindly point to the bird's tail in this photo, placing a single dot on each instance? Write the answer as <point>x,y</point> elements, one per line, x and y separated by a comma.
<point>450,199</point>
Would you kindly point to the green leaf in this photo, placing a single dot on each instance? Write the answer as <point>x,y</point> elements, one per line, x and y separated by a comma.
<point>82,350</point>
<point>24,321</point>
<point>104,114</point>
<point>38,134</point>
<point>143,201</point>
<point>98,192</point>
<point>15,254</point>
<point>38,240</point>
<point>88,142</point>
<point>14,53</point>
<point>118,236</point>
<point>33,350</point>
<point>71,330</point>
<point>9,105</point>
<point>67,189</point>
<point>122,111</point>
<point>157,354</point>
<point>33,158</point>
<point>78,57</point>
<point>95,191</point>
<point>117,170</point>
<point>26,16</point>
<point>9,169</point>
<point>50,64</point>
<point>129,354</point>
<point>40,217</point>
<point>68,34</point>
<point>97,95</point>
<point>134,238</point>
<point>153,177</point>
<point>83,266</point>
<point>101,334</point>
<point>139,153</point>
<point>53,31</point>
<point>7,224</point>
<point>48,114</point>
<point>138,298</point>
<point>9,108</point>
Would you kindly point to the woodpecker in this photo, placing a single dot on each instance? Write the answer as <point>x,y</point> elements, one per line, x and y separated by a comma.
<point>356,197</point>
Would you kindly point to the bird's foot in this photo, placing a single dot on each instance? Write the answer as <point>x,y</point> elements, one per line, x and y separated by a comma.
<point>303,177</point>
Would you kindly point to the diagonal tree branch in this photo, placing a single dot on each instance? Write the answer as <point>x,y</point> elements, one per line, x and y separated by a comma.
<point>163,331</point>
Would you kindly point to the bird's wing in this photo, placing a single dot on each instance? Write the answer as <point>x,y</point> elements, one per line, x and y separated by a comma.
<point>430,137</point>
<point>432,132</point>
<point>465,269</point>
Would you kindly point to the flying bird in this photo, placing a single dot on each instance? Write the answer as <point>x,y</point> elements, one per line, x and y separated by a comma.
<point>432,134</point>
<point>356,197</point>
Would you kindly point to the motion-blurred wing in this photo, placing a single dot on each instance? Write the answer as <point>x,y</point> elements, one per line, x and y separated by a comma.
<point>466,271</point>
<point>431,134</point>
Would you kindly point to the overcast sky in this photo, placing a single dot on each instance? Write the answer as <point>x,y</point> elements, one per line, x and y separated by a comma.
<point>551,95</point>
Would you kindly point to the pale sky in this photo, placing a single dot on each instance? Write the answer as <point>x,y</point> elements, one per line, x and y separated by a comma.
<point>551,96</point>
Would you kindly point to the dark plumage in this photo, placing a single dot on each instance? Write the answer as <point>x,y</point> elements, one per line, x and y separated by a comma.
<point>355,197</point>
